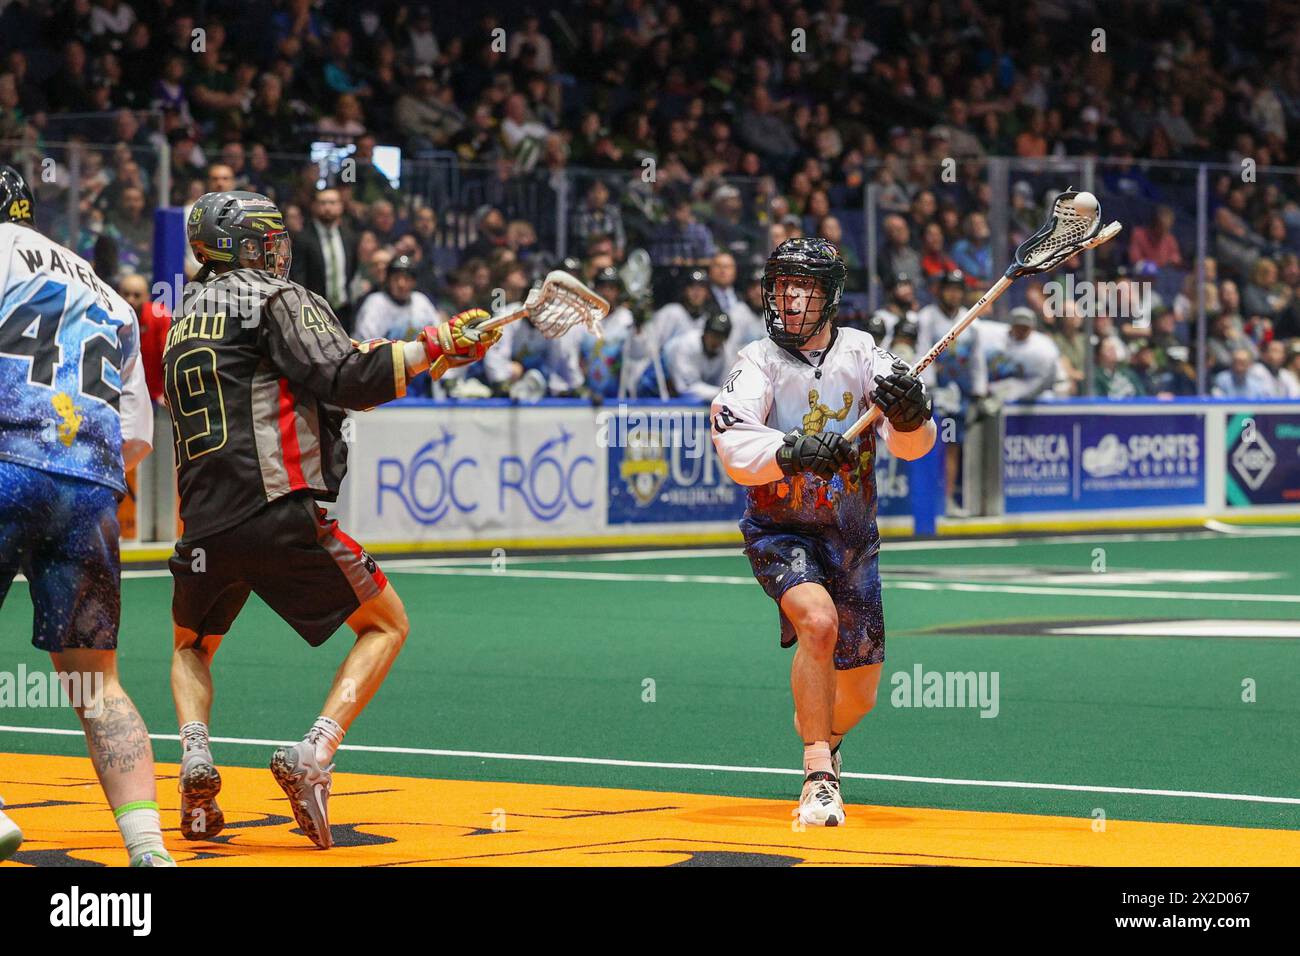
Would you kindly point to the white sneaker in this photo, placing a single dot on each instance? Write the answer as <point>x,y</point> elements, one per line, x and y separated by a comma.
<point>153,859</point>
<point>836,762</point>
<point>307,785</point>
<point>820,804</point>
<point>11,838</point>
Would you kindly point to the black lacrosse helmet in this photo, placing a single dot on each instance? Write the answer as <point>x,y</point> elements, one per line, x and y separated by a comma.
<point>609,276</point>
<point>17,204</point>
<point>719,324</point>
<point>401,264</point>
<point>236,230</point>
<point>816,259</point>
<point>907,328</point>
<point>875,327</point>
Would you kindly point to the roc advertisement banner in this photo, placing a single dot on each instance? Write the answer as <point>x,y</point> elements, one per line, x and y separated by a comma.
<point>1263,459</point>
<point>423,474</point>
<point>1082,461</point>
<point>420,474</point>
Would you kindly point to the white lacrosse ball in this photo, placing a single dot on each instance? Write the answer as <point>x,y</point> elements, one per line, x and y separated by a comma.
<point>1085,204</point>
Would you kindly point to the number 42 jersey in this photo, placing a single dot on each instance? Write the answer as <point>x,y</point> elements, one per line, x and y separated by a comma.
<point>71,382</point>
<point>257,372</point>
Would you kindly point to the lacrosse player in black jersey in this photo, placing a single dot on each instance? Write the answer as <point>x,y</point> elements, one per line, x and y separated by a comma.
<point>258,372</point>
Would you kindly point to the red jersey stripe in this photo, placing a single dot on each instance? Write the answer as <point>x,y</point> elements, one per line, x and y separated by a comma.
<point>289,438</point>
<point>335,532</point>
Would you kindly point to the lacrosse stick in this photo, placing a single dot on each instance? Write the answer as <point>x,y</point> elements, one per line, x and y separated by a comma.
<point>1074,226</point>
<point>557,305</point>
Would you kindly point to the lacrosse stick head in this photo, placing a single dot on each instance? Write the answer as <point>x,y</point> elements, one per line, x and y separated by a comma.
<point>1070,229</point>
<point>561,302</point>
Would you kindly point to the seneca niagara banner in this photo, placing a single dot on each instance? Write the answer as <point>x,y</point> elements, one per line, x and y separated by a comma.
<point>1081,461</point>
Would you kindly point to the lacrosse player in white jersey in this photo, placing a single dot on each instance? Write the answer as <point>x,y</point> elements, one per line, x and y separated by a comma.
<point>957,378</point>
<point>698,362</point>
<point>810,519</point>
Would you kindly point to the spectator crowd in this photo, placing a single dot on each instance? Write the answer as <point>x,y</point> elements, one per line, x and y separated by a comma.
<point>662,149</point>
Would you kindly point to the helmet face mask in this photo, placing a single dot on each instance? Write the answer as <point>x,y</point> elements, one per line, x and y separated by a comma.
<point>239,230</point>
<point>952,288</point>
<point>277,254</point>
<point>802,286</point>
<point>796,307</point>
<point>399,279</point>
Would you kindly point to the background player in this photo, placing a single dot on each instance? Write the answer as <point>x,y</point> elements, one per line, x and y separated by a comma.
<point>258,371</point>
<point>810,518</point>
<point>74,409</point>
<point>958,377</point>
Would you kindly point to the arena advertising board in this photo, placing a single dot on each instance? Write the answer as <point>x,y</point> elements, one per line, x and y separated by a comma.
<point>663,468</point>
<point>1083,460</point>
<point>1263,459</point>
<point>893,484</point>
<point>419,473</point>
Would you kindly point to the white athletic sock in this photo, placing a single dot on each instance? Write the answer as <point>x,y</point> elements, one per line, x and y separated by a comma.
<point>326,735</point>
<point>817,757</point>
<point>194,736</point>
<point>141,827</point>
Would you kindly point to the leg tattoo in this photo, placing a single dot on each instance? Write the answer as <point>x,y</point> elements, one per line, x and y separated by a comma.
<point>117,737</point>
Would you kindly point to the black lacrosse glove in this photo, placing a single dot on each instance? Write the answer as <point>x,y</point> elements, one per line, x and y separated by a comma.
<point>902,398</point>
<point>823,453</point>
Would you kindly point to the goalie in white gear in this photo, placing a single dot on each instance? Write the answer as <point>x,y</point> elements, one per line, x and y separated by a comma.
<point>810,519</point>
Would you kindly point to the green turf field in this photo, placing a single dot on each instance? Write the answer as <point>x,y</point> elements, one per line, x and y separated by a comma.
<point>550,658</point>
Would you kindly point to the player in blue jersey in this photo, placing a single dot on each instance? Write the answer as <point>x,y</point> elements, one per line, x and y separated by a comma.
<point>74,414</point>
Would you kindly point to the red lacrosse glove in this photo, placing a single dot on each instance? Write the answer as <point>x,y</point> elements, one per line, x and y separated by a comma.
<point>459,341</point>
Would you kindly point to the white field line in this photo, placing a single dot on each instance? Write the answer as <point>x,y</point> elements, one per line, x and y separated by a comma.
<point>1228,596</point>
<point>978,588</point>
<point>890,581</point>
<point>957,544</point>
<point>558,575</point>
<point>717,768</point>
<point>1247,531</point>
